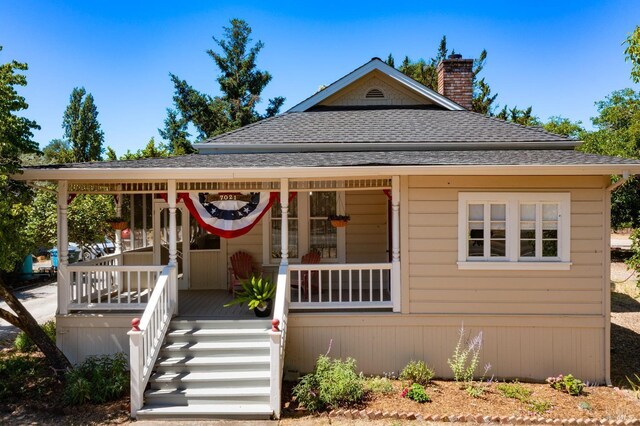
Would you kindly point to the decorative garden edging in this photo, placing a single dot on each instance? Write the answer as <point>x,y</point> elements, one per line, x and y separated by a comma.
<point>378,415</point>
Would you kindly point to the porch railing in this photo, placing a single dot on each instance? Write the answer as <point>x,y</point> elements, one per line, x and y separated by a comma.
<point>147,334</point>
<point>342,286</point>
<point>278,336</point>
<point>105,283</point>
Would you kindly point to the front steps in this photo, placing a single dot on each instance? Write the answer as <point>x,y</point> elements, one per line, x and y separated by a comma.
<point>211,369</point>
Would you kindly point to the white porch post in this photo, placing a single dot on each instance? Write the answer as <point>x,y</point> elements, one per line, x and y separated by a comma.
<point>132,221</point>
<point>173,239</point>
<point>395,243</point>
<point>64,284</point>
<point>284,225</point>
<point>144,220</point>
<point>118,241</point>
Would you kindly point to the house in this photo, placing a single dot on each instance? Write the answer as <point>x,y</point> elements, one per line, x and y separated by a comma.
<point>456,218</point>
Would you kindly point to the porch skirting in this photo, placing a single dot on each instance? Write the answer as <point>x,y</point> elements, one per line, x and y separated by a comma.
<point>524,347</point>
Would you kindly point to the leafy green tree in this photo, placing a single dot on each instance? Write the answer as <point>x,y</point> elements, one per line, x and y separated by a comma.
<point>176,134</point>
<point>58,151</point>
<point>241,84</point>
<point>110,154</point>
<point>16,135</point>
<point>632,53</point>
<point>149,151</point>
<point>564,126</point>
<point>516,115</point>
<point>618,134</point>
<point>81,126</point>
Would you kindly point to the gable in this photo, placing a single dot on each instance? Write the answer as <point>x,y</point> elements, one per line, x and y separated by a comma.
<point>375,89</point>
<point>391,76</point>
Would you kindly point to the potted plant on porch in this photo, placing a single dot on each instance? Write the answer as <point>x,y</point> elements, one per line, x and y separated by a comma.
<point>118,223</point>
<point>258,293</point>
<point>339,220</point>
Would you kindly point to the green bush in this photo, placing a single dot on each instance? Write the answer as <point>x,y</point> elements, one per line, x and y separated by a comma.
<point>98,379</point>
<point>417,393</point>
<point>23,375</point>
<point>514,390</point>
<point>23,342</point>
<point>417,372</point>
<point>378,385</point>
<point>568,384</point>
<point>539,406</point>
<point>332,384</point>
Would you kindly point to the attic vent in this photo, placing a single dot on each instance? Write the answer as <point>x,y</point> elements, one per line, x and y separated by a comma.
<point>374,94</point>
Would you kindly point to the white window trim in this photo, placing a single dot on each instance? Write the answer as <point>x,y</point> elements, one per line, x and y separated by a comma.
<point>303,232</point>
<point>513,201</point>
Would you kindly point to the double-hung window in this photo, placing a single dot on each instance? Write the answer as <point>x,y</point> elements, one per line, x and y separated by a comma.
<point>308,226</point>
<point>513,230</point>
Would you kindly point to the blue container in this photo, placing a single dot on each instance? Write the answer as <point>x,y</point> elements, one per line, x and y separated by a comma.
<point>27,266</point>
<point>54,257</point>
<point>73,253</point>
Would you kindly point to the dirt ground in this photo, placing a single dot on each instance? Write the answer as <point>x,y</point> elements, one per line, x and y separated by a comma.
<point>600,402</point>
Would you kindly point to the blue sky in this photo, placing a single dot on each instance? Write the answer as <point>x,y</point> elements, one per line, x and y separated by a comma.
<point>559,57</point>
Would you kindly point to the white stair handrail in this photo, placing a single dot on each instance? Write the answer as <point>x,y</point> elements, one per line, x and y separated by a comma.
<point>147,334</point>
<point>278,335</point>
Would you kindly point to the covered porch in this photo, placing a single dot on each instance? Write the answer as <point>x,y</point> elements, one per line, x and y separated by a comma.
<point>356,269</point>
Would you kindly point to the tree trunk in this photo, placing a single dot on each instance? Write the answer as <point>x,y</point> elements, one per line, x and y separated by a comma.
<point>25,321</point>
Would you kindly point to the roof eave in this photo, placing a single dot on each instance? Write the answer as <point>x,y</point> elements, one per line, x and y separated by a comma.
<point>209,173</point>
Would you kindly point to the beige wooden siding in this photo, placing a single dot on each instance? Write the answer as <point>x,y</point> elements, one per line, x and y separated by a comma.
<point>208,270</point>
<point>80,336</point>
<point>394,93</point>
<point>366,234</point>
<point>522,347</point>
<point>437,286</point>
<point>250,242</point>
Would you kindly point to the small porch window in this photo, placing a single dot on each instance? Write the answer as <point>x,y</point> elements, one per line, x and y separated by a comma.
<point>323,237</point>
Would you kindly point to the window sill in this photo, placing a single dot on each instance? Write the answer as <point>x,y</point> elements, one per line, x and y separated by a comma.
<point>515,266</point>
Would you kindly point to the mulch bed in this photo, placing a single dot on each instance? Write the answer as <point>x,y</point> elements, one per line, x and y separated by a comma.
<point>449,399</point>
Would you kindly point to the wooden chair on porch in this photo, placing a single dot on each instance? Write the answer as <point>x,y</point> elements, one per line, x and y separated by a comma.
<point>242,268</point>
<point>302,284</point>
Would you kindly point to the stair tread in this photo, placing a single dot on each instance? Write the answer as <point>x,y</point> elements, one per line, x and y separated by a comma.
<point>204,409</point>
<point>216,345</point>
<point>199,376</point>
<point>212,392</point>
<point>202,332</point>
<point>212,360</point>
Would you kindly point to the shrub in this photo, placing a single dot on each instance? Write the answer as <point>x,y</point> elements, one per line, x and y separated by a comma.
<point>98,379</point>
<point>539,406</point>
<point>514,390</point>
<point>568,384</point>
<point>332,384</point>
<point>417,372</point>
<point>378,385</point>
<point>417,393</point>
<point>24,375</point>
<point>466,357</point>
<point>23,342</point>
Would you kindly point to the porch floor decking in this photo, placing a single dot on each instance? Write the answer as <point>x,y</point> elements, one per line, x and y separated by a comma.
<point>209,304</point>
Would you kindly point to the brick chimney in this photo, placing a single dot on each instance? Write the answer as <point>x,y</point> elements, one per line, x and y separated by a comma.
<point>455,79</point>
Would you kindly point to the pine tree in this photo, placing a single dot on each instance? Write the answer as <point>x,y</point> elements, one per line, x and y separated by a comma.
<point>176,134</point>
<point>81,126</point>
<point>241,84</point>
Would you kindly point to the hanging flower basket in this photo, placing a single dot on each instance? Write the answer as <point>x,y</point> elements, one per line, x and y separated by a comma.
<point>339,221</point>
<point>118,223</point>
